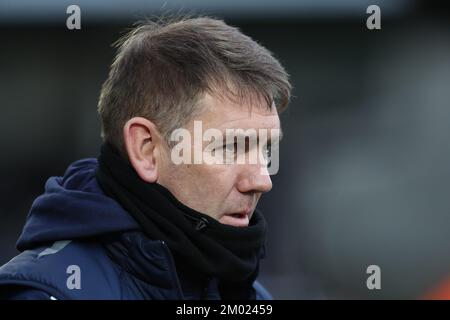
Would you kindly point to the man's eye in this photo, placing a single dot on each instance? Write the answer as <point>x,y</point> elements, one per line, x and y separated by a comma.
<point>267,154</point>
<point>231,148</point>
<point>267,151</point>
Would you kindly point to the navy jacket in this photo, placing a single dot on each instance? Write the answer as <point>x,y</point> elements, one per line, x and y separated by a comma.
<point>78,243</point>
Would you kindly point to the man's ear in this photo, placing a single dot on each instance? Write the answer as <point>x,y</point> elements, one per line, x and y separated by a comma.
<point>142,143</point>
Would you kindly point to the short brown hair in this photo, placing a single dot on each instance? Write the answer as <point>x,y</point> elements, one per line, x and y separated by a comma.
<point>163,67</point>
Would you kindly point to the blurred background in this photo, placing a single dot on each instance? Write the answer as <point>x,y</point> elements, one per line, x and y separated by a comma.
<point>364,175</point>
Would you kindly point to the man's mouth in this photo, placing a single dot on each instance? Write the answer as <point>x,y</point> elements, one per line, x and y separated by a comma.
<point>238,219</point>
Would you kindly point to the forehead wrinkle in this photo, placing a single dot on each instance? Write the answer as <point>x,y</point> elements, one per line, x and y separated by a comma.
<point>247,121</point>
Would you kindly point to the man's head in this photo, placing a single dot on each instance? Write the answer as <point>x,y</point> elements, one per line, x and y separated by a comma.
<point>168,75</point>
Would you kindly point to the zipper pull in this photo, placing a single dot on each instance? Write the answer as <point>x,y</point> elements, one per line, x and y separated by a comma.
<point>202,224</point>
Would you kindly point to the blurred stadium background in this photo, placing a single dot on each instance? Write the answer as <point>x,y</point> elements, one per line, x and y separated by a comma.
<point>364,175</point>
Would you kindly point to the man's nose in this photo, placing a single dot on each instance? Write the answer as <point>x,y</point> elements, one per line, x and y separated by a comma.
<point>255,178</point>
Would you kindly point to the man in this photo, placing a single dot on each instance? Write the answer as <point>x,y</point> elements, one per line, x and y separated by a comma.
<point>136,224</point>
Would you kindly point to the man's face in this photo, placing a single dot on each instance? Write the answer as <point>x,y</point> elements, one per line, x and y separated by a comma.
<point>226,192</point>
